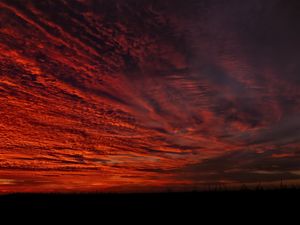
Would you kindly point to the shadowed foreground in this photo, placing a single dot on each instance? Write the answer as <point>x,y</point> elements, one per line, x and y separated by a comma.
<point>257,201</point>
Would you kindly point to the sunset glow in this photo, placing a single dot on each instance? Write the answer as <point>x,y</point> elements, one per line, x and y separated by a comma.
<point>146,95</point>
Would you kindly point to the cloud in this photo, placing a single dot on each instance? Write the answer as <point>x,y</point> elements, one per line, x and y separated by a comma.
<point>148,93</point>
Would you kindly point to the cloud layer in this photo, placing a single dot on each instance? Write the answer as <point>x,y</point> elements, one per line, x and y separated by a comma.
<point>148,95</point>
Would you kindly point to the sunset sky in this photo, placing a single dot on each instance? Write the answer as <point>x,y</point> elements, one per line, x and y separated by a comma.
<point>148,95</point>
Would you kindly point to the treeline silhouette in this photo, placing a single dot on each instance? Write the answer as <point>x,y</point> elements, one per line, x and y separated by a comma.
<point>214,199</point>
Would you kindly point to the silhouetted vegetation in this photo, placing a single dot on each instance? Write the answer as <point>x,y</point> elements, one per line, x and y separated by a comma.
<point>217,199</point>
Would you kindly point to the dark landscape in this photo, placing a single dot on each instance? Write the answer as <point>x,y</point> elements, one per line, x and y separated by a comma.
<point>258,200</point>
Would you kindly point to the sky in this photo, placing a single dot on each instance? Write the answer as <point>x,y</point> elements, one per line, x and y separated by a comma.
<point>148,95</point>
